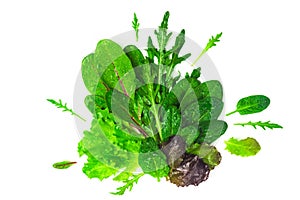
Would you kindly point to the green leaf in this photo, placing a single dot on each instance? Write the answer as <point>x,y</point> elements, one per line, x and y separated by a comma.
<point>211,88</point>
<point>135,26</point>
<point>148,145</point>
<point>210,131</point>
<point>63,164</point>
<point>90,73</point>
<point>212,42</point>
<point>103,142</point>
<point>128,184</point>
<point>189,134</point>
<point>170,122</point>
<point>209,154</point>
<point>59,104</point>
<point>115,66</point>
<point>93,168</point>
<point>95,104</point>
<point>137,61</point>
<point>152,160</point>
<point>203,110</point>
<point>251,104</point>
<point>154,163</point>
<point>263,125</point>
<point>161,34</point>
<point>245,147</point>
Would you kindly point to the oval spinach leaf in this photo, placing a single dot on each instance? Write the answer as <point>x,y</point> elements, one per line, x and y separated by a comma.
<point>210,131</point>
<point>251,104</point>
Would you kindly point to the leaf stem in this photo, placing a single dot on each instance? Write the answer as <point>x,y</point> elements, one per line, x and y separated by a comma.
<point>201,54</point>
<point>231,113</point>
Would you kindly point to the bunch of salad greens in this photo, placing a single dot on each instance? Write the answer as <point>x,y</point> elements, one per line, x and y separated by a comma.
<point>148,121</point>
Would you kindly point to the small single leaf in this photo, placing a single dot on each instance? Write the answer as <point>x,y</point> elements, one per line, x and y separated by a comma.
<point>135,26</point>
<point>245,147</point>
<point>63,164</point>
<point>263,125</point>
<point>60,104</point>
<point>128,184</point>
<point>251,104</point>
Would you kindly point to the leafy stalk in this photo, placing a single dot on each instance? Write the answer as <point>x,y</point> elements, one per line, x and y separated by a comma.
<point>60,104</point>
<point>212,42</point>
<point>263,125</point>
<point>135,26</point>
<point>128,184</point>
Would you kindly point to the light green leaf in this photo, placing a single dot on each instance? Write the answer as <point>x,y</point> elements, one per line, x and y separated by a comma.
<point>115,66</point>
<point>245,147</point>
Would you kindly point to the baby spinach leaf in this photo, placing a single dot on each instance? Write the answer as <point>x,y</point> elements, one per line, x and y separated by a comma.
<point>245,147</point>
<point>189,134</point>
<point>170,122</point>
<point>63,164</point>
<point>137,61</point>
<point>154,163</point>
<point>211,88</point>
<point>90,73</point>
<point>206,109</point>
<point>210,108</point>
<point>251,104</point>
<point>114,66</point>
<point>211,130</point>
<point>151,159</point>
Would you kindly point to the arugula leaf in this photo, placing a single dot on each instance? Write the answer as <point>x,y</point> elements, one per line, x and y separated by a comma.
<point>251,104</point>
<point>63,164</point>
<point>59,104</point>
<point>212,42</point>
<point>161,34</point>
<point>135,26</point>
<point>263,125</point>
<point>245,147</point>
<point>128,184</point>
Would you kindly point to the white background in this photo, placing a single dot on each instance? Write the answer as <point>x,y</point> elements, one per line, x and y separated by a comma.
<point>42,44</point>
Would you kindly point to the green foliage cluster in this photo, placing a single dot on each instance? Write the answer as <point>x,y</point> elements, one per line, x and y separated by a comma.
<point>149,120</point>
